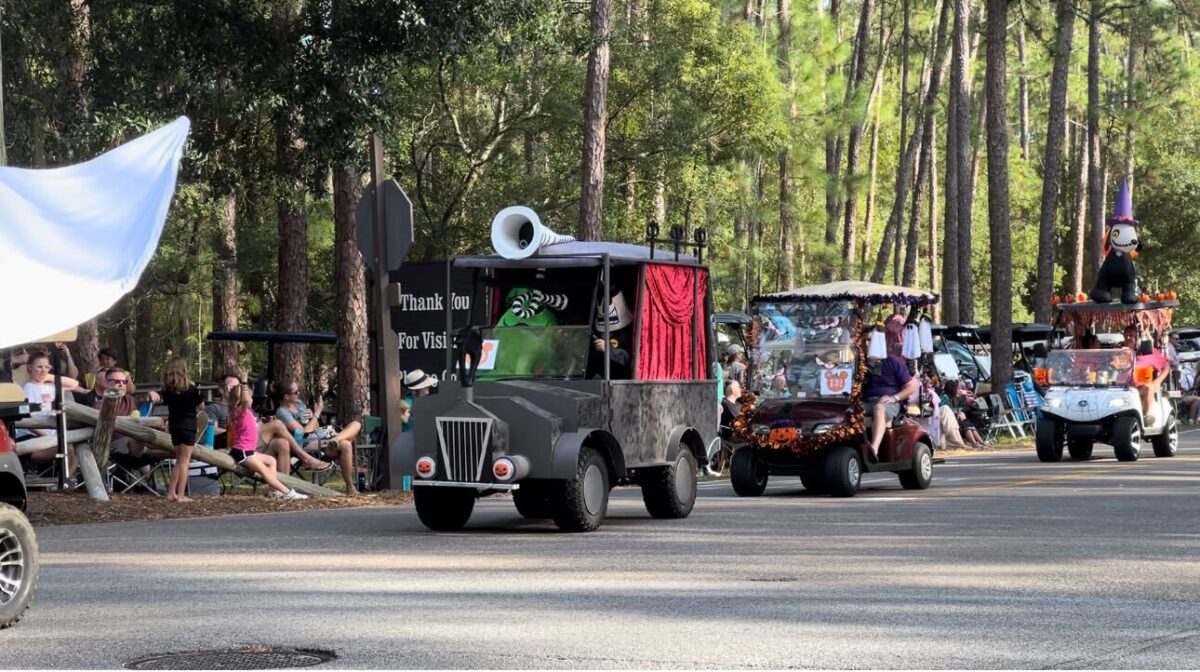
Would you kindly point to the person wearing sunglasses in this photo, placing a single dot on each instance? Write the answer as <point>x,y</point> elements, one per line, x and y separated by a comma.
<point>305,425</point>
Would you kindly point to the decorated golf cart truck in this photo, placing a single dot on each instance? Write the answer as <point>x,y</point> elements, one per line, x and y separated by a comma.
<point>1119,394</point>
<point>804,415</point>
<point>586,365</point>
<point>1095,391</point>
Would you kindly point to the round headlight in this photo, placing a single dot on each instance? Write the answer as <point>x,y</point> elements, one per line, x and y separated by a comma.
<point>426,467</point>
<point>503,469</point>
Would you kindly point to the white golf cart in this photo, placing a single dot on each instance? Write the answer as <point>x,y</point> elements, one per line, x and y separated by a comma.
<point>1093,394</point>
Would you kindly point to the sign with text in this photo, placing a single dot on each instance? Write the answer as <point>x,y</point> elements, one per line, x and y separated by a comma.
<point>419,316</point>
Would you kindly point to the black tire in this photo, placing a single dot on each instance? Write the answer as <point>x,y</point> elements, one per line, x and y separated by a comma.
<point>1080,449</point>
<point>580,504</point>
<point>670,491</point>
<point>1167,443</point>
<point>1127,439</point>
<point>921,474</point>
<point>533,499</point>
<point>748,474</point>
<point>19,551</point>
<point>444,509</point>
<point>843,471</point>
<point>1051,434</point>
<point>813,483</point>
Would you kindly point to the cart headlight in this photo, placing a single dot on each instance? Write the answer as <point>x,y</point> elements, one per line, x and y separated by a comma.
<point>1117,403</point>
<point>1054,402</point>
<point>426,467</point>
<point>823,427</point>
<point>760,428</point>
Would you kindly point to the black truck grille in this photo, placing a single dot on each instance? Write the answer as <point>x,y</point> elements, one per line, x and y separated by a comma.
<point>464,444</point>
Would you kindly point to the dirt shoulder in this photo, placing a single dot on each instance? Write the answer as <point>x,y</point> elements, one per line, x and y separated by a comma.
<point>47,509</point>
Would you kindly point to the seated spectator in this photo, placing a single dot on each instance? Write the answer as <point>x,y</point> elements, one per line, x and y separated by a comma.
<point>99,385</point>
<point>736,368</point>
<point>107,358</point>
<point>39,389</point>
<point>730,408</point>
<point>415,384</point>
<point>958,404</point>
<point>274,438</point>
<point>244,428</point>
<point>305,424</point>
<point>1149,356</point>
<point>118,379</point>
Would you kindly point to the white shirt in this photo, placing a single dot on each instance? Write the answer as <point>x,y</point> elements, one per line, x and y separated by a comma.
<point>40,393</point>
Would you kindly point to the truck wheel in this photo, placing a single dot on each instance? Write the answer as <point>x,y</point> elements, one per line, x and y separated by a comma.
<point>748,474</point>
<point>444,509</point>
<point>670,492</point>
<point>1051,434</point>
<point>813,483</point>
<point>18,565</point>
<point>921,474</point>
<point>843,471</point>
<point>1167,443</point>
<point>532,499</point>
<point>1127,439</point>
<point>1080,449</point>
<point>579,504</point>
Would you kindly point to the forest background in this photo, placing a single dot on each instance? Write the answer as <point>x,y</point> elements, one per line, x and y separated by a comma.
<point>889,140</point>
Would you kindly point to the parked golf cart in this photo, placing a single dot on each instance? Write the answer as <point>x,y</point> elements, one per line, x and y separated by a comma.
<point>1092,394</point>
<point>805,414</point>
<point>587,366</point>
<point>732,329</point>
<point>18,545</point>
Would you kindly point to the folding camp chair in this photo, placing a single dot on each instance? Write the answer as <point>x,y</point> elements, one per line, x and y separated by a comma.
<point>125,474</point>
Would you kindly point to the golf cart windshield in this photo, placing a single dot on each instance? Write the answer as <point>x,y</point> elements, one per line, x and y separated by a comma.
<point>1103,368</point>
<point>804,349</point>
<point>526,352</point>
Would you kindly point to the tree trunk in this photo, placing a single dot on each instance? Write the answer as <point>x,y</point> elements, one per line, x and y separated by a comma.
<point>350,301</point>
<point>934,61</point>
<point>143,333</point>
<point>852,147</point>
<point>1081,219</point>
<point>960,88</point>
<point>913,240</point>
<point>225,287</point>
<point>1095,196</point>
<point>869,217</point>
<point>1023,85</point>
<point>933,218</point>
<point>949,302</point>
<point>292,300</point>
<point>591,208</point>
<point>833,139</point>
<point>1130,80</point>
<point>1052,171</point>
<point>787,273</point>
<point>906,14</point>
<point>998,215</point>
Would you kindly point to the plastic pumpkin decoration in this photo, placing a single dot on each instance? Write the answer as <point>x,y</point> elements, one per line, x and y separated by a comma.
<point>1080,297</point>
<point>1070,298</point>
<point>1159,296</point>
<point>1144,297</point>
<point>1054,299</point>
<point>1171,295</point>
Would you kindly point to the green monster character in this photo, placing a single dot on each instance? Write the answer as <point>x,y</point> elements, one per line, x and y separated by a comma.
<point>524,352</point>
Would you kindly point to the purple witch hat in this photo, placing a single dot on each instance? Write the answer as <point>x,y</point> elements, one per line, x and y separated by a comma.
<point>1123,210</point>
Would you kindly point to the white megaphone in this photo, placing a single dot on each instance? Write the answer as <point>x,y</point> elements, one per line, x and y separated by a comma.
<point>518,233</point>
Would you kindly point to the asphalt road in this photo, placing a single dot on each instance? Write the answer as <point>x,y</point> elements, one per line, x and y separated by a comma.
<point>1005,562</point>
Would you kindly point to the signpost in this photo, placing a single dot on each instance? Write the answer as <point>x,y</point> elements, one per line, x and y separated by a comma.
<point>385,212</point>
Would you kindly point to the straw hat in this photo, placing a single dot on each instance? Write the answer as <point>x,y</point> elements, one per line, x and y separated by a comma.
<point>419,380</point>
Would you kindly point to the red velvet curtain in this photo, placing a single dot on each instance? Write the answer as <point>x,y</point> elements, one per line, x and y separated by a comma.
<point>672,312</point>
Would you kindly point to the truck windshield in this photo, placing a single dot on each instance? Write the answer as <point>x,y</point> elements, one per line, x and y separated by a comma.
<point>527,352</point>
<point>804,350</point>
<point>1090,367</point>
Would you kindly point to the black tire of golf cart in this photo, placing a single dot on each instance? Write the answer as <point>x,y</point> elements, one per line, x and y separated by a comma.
<point>921,474</point>
<point>747,474</point>
<point>444,509</point>
<point>17,541</point>
<point>1167,443</point>
<point>813,483</point>
<point>1080,449</point>
<point>532,499</point>
<point>670,491</point>
<point>1127,439</point>
<point>1051,434</point>
<point>843,471</point>
<point>580,504</point>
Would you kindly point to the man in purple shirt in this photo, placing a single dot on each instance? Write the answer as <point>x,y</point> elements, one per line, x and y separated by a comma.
<point>888,382</point>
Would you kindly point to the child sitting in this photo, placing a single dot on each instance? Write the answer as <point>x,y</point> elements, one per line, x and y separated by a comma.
<point>243,428</point>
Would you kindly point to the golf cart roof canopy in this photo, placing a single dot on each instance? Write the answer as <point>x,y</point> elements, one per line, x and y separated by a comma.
<point>322,338</point>
<point>855,291</point>
<point>579,253</point>
<point>963,333</point>
<point>1021,332</point>
<point>731,318</point>
<point>1187,332</point>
